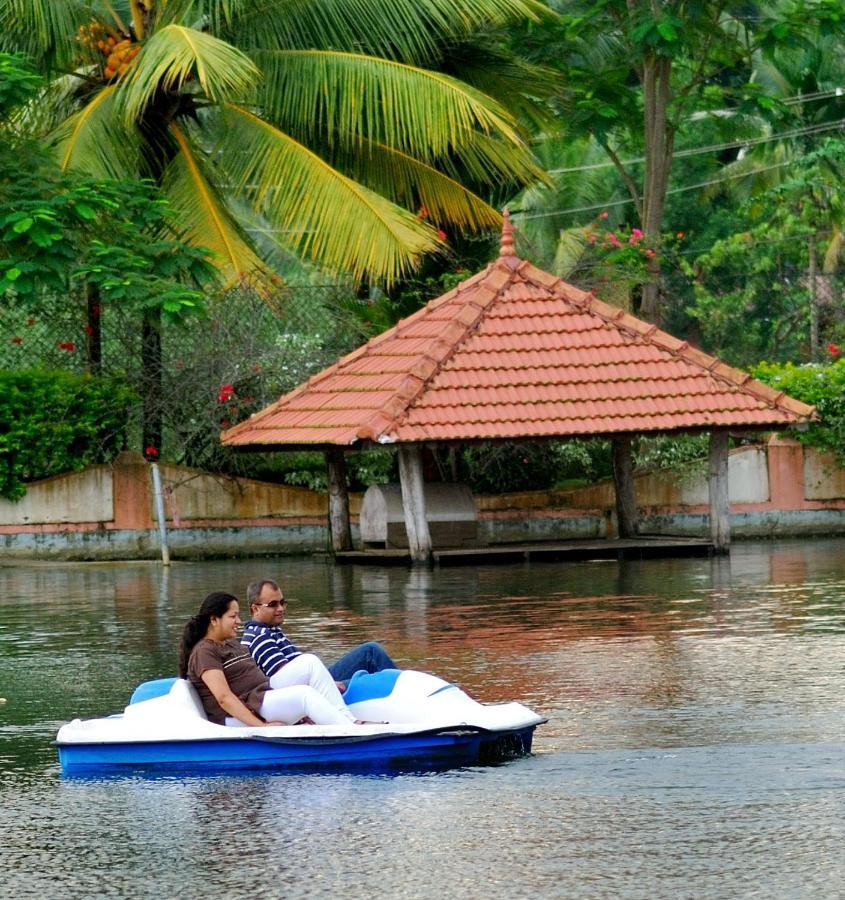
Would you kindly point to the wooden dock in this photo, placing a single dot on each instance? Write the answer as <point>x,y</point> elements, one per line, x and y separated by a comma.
<point>641,547</point>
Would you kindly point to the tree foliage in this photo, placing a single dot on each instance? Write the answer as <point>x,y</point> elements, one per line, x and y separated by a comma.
<point>823,386</point>
<point>60,232</point>
<point>320,126</point>
<point>54,422</point>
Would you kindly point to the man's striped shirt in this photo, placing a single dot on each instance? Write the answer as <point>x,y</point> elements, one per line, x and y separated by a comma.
<point>269,646</point>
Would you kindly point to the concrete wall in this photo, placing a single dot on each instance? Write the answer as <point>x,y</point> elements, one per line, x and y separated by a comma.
<point>782,489</point>
<point>107,512</point>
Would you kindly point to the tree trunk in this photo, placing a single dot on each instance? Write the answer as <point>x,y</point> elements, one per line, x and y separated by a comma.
<point>413,502</point>
<point>720,504</point>
<point>341,533</point>
<point>94,329</point>
<point>814,299</point>
<point>152,373</point>
<point>623,480</point>
<point>659,146</point>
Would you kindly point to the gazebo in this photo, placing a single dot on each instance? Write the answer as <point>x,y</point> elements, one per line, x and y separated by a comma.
<point>515,353</point>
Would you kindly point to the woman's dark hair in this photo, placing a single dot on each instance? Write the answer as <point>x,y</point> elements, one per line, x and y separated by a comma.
<point>215,604</point>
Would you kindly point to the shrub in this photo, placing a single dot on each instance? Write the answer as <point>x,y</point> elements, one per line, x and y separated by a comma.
<point>54,422</point>
<point>822,385</point>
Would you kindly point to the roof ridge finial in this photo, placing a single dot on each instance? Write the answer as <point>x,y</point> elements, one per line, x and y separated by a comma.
<point>506,247</point>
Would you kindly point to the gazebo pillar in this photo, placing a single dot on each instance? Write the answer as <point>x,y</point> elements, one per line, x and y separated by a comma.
<point>623,482</point>
<point>720,504</point>
<point>413,502</point>
<point>341,533</point>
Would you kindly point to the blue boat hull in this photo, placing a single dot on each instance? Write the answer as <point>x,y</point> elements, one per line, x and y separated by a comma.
<point>439,748</point>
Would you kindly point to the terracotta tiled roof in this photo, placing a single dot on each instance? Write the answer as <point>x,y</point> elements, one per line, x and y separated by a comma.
<point>514,352</point>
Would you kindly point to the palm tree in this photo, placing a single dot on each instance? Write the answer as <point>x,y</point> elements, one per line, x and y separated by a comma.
<point>804,165</point>
<point>314,120</point>
<point>322,123</point>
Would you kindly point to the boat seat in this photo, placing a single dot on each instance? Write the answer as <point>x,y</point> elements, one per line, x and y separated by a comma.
<point>181,701</point>
<point>186,694</point>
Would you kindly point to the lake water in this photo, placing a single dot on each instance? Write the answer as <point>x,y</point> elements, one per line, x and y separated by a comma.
<point>694,748</point>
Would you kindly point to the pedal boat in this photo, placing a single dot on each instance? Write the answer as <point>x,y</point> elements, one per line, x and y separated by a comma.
<point>424,723</point>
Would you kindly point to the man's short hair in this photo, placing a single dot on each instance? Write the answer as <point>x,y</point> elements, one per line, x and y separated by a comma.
<point>253,591</point>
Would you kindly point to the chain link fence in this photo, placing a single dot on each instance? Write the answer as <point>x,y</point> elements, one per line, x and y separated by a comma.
<point>217,369</point>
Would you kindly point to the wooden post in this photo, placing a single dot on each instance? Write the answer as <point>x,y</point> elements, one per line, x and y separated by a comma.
<point>623,481</point>
<point>413,502</point>
<point>341,533</point>
<point>720,504</point>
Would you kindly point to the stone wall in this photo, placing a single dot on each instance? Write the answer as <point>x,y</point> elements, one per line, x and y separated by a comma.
<point>108,512</point>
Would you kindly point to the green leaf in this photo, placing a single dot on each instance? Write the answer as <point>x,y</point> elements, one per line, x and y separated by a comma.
<point>84,211</point>
<point>667,32</point>
<point>23,225</point>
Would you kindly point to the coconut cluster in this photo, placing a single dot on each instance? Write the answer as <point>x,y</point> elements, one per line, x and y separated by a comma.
<point>119,51</point>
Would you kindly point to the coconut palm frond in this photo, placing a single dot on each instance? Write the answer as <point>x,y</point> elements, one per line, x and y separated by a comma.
<point>322,213</point>
<point>833,252</point>
<point>202,217</point>
<point>771,78</point>
<point>411,183</point>
<point>93,141</point>
<point>519,86</point>
<point>42,27</point>
<point>410,30</point>
<point>176,54</point>
<point>422,112</point>
<point>183,12</point>
<point>488,160</point>
<point>570,248</point>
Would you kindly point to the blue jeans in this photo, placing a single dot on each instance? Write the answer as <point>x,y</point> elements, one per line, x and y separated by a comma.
<point>371,657</point>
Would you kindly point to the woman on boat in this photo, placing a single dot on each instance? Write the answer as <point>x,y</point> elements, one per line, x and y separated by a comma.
<point>230,684</point>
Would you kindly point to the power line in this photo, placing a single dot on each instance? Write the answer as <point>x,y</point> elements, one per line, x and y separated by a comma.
<point>679,190</point>
<point>713,148</point>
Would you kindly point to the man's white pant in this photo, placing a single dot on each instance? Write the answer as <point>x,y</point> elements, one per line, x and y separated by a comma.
<point>324,697</point>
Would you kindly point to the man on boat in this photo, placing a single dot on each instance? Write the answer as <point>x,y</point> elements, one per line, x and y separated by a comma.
<point>272,649</point>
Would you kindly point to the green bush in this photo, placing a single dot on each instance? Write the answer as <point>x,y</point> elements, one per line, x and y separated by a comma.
<point>54,422</point>
<point>823,386</point>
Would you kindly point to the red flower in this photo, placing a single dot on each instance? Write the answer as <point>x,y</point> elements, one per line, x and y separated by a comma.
<point>151,452</point>
<point>680,235</point>
<point>423,212</point>
<point>603,215</point>
<point>833,349</point>
<point>441,234</point>
<point>17,340</point>
<point>224,423</point>
<point>30,322</point>
<point>67,345</point>
<point>227,391</point>
<point>89,330</point>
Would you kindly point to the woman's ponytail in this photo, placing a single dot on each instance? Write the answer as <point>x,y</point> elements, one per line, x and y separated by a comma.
<point>196,628</point>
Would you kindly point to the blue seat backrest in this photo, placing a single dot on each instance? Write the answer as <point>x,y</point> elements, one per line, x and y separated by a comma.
<point>365,686</point>
<point>147,690</point>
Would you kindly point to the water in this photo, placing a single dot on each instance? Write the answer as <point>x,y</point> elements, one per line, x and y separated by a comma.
<point>694,748</point>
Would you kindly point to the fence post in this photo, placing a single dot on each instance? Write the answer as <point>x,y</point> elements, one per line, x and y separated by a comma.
<point>162,524</point>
